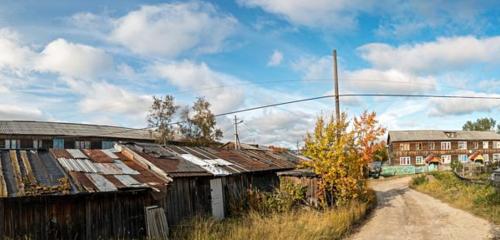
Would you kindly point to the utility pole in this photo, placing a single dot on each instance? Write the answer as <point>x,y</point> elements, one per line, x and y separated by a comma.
<point>236,137</point>
<point>336,79</point>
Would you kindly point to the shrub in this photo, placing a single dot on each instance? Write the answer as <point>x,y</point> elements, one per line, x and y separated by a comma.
<point>418,180</point>
<point>285,198</point>
<point>303,224</point>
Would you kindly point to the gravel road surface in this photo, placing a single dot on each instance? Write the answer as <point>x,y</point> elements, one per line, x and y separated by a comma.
<point>403,213</point>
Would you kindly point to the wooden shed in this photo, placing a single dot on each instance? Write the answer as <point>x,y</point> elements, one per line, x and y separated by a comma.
<point>306,178</point>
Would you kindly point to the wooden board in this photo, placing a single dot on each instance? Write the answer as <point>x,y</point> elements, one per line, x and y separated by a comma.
<point>17,173</point>
<point>156,223</point>
<point>28,169</point>
<point>3,185</point>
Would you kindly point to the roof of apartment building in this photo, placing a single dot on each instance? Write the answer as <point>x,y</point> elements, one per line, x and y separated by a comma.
<point>438,135</point>
<point>72,129</point>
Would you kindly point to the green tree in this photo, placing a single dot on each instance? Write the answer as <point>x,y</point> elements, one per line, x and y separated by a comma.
<point>481,124</point>
<point>199,123</point>
<point>160,117</point>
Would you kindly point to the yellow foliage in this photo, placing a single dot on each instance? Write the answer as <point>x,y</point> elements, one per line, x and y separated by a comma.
<point>340,156</point>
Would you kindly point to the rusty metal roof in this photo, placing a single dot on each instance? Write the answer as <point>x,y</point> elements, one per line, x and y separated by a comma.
<point>102,171</point>
<point>72,129</point>
<point>207,159</point>
<point>167,160</point>
<point>28,173</point>
<point>256,160</point>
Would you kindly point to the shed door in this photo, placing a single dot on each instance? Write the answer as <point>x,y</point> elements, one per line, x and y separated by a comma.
<point>217,198</point>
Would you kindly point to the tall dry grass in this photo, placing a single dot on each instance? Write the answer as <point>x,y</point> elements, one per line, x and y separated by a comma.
<point>303,224</point>
<point>481,200</point>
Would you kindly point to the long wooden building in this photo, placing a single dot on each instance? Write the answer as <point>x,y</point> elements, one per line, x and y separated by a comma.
<point>421,147</point>
<point>125,191</point>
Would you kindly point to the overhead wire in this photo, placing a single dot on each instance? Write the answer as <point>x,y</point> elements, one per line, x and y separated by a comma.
<point>331,96</point>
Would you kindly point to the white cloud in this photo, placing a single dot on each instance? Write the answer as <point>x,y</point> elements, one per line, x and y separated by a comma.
<point>459,106</point>
<point>17,112</point>
<point>489,85</point>
<point>389,81</point>
<point>314,68</point>
<point>277,126</point>
<point>396,113</point>
<point>75,60</point>
<point>204,81</point>
<point>107,98</point>
<point>170,29</point>
<point>320,13</point>
<point>275,59</point>
<point>453,53</point>
<point>13,56</point>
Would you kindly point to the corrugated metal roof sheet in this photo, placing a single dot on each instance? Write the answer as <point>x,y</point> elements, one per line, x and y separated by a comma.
<point>202,157</point>
<point>102,175</point>
<point>437,135</point>
<point>76,153</point>
<point>38,173</point>
<point>72,129</point>
<point>103,184</point>
<point>98,155</point>
<point>168,161</point>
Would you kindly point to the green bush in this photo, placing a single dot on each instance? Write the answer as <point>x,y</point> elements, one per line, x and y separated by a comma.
<point>283,199</point>
<point>418,180</point>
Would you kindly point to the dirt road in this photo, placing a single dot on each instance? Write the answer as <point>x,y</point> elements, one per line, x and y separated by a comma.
<point>403,213</point>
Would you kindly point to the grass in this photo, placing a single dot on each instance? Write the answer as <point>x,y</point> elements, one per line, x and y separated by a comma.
<point>305,224</point>
<point>481,200</point>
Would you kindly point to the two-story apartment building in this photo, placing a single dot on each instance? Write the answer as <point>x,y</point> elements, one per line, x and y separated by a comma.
<point>419,147</point>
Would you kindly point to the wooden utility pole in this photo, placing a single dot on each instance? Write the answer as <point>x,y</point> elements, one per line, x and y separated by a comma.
<point>236,137</point>
<point>336,79</point>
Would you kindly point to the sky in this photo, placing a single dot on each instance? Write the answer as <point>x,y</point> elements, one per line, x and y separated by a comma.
<point>101,61</point>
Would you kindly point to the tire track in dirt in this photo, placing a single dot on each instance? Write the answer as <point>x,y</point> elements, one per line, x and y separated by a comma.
<point>403,213</point>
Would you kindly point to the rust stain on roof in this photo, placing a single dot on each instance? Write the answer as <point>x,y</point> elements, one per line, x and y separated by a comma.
<point>98,156</point>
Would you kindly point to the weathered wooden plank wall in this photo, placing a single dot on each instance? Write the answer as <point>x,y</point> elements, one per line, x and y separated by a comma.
<point>236,189</point>
<point>117,215</point>
<point>187,197</point>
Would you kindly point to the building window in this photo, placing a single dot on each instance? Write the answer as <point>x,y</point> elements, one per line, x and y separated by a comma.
<point>108,144</point>
<point>12,143</point>
<point>445,145</point>
<point>463,158</point>
<point>404,147</point>
<point>58,143</point>
<point>476,145</point>
<point>462,145</point>
<point>485,145</point>
<point>419,146</point>
<point>496,157</point>
<point>82,144</point>
<point>37,143</point>
<point>432,145</point>
<point>486,157</point>
<point>419,160</point>
<point>496,144</point>
<point>404,161</point>
<point>446,159</point>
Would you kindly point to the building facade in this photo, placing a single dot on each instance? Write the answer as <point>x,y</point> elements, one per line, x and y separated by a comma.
<point>421,147</point>
<point>58,135</point>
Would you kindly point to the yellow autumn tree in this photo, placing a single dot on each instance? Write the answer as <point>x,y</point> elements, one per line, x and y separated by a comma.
<point>339,154</point>
<point>334,158</point>
<point>367,138</point>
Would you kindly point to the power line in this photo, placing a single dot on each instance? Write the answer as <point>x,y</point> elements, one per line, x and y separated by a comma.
<point>331,96</point>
